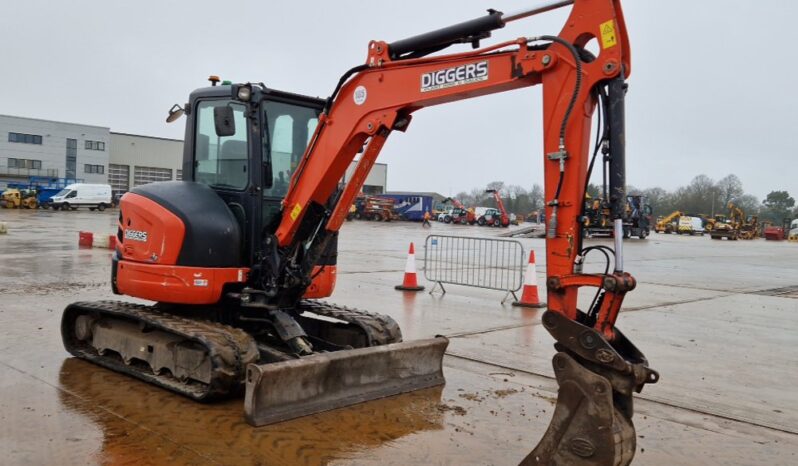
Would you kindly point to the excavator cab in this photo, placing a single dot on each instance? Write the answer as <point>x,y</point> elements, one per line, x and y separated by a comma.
<point>250,164</point>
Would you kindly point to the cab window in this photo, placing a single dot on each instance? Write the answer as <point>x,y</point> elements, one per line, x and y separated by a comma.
<point>288,129</point>
<point>221,162</point>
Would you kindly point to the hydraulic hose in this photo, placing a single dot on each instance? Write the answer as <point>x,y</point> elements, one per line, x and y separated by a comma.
<point>562,154</point>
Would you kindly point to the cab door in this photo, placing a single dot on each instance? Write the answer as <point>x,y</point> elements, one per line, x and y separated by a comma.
<point>224,159</point>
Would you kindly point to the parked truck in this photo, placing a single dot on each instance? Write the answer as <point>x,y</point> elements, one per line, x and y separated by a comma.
<point>410,206</point>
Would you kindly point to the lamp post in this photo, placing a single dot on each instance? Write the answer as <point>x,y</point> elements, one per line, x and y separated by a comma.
<point>714,195</point>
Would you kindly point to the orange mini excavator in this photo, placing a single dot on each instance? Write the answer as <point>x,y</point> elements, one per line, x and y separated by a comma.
<point>236,253</point>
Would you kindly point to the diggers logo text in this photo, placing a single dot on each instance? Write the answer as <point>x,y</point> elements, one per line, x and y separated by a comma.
<point>457,76</point>
<point>136,235</point>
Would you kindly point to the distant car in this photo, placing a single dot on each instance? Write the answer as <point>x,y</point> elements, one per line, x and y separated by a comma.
<point>93,196</point>
<point>443,215</point>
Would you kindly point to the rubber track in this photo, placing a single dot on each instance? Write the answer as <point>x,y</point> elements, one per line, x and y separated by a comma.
<point>229,348</point>
<point>380,329</point>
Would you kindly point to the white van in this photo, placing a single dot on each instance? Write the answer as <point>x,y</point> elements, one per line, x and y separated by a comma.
<point>690,226</point>
<point>93,196</point>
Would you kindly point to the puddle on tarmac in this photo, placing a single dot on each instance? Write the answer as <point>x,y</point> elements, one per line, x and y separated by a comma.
<point>218,430</point>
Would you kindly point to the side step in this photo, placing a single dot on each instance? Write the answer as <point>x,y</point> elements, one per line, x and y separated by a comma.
<point>320,382</point>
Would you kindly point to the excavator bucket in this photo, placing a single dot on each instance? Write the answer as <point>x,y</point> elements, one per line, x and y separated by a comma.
<point>285,390</point>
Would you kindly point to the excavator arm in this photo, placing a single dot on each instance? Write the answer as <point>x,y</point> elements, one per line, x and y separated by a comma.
<point>377,98</point>
<point>596,366</point>
<point>736,216</point>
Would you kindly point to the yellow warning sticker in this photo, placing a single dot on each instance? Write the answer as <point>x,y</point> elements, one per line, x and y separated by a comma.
<point>296,211</point>
<point>608,37</point>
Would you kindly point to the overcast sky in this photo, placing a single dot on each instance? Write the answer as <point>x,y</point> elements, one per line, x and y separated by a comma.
<point>712,89</point>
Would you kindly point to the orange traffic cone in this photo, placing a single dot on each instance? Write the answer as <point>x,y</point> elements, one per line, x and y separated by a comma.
<point>529,295</point>
<point>410,282</point>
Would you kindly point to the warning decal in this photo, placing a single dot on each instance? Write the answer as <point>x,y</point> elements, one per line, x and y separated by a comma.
<point>608,37</point>
<point>295,211</point>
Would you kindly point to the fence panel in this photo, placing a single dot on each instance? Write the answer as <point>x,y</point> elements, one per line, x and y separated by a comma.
<point>495,264</point>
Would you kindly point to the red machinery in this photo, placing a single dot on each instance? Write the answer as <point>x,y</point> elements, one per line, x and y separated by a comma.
<point>777,233</point>
<point>500,220</point>
<point>379,209</point>
<point>231,253</point>
<point>459,214</point>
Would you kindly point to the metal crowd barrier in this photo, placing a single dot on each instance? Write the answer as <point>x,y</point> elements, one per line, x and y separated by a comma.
<point>495,264</point>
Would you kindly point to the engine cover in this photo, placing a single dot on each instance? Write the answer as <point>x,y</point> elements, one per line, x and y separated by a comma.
<point>178,223</point>
<point>178,243</point>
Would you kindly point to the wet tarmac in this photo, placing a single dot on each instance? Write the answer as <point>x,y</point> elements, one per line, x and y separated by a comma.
<point>703,313</point>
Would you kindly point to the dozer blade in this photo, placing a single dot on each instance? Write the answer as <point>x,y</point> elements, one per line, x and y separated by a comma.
<point>285,390</point>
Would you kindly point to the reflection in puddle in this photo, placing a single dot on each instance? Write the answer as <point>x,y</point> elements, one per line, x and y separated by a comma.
<point>409,307</point>
<point>529,317</point>
<point>143,422</point>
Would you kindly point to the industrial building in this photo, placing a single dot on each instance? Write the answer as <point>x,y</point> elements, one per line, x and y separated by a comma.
<point>53,149</point>
<point>137,160</point>
<point>376,181</point>
<point>31,147</point>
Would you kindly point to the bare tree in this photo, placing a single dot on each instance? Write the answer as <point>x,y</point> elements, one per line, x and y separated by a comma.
<point>728,188</point>
<point>593,190</point>
<point>701,196</point>
<point>748,203</point>
<point>517,199</point>
<point>497,185</point>
<point>660,200</point>
<point>536,197</point>
<point>478,197</point>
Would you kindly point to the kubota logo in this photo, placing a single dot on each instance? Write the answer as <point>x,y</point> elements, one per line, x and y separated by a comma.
<point>136,235</point>
<point>456,76</point>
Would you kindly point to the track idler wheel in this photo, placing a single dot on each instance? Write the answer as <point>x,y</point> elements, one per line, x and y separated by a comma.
<point>592,422</point>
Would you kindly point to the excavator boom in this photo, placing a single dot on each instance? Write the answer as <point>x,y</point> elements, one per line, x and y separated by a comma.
<point>597,368</point>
